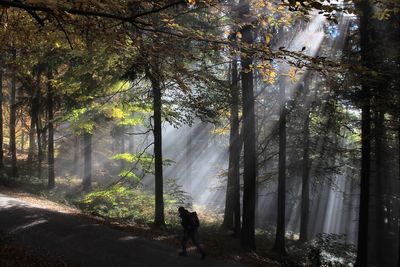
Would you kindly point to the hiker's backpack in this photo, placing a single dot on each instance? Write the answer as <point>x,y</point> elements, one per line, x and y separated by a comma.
<point>194,220</point>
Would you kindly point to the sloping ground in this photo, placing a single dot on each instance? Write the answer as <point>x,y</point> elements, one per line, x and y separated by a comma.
<point>81,241</point>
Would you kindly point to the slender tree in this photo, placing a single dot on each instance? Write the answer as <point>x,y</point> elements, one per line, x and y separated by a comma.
<point>13,111</point>
<point>380,177</point>
<point>76,155</point>
<point>232,206</point>
<point>131,141</point>
<point>87,172</point>
<point>236,149</point>
<point>50,147</point>
<point>305,185</point>
<point>249,136</point>
<point>122,146</point>
<point>280,224</point>
<point>32,145</point>
<point>362,245</point>
<point>154,76</point>
<point>36,117</point>
<point>1,116</point>
<point>398,161</point>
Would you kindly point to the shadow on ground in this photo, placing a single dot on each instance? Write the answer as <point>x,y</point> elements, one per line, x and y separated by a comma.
<point>84,242</point>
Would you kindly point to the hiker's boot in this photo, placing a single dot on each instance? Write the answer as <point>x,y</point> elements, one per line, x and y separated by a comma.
<point>182,253</point>
<point>203,256</point>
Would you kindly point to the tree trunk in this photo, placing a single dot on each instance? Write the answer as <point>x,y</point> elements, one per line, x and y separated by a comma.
<point>32,145</point>
<point>1,117</point>
<point>189,158</point>
<point>131,141</point>
<point>229,201</point>
<point>43,134</point>
<point>236,149</point>
<point>398,155</point>
<point>76,155</point>
<point>379,181</point>
<point>22,147</point>
<point>13,110</point>
<point>249,137</point>
<point>158,167</point>
<point>362,246</point>
<point>122,148</point>
<point>305,187</point>
<point>50,108</point>
<point>87,173</point>
<point>36,116</point>
<point>232,209</point>
<point>280,224</point>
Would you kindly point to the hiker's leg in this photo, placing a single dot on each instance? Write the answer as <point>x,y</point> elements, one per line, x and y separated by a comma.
<point>195,239</point>
<point>184,242</point>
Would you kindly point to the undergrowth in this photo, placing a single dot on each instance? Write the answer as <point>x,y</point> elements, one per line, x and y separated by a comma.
<point>130,204</point>
<point>135,205</point>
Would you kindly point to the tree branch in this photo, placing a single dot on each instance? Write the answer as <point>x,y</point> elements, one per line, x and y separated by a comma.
<point>31,8</point>
<point>64,31</point>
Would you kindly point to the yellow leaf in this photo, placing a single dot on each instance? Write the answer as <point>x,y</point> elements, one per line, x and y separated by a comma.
<point>267,39</point>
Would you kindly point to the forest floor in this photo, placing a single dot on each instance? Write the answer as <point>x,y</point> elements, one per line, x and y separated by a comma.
<point>35,231</point>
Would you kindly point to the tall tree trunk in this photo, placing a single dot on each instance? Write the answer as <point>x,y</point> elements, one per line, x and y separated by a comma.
<point>379,181</point>
<point>189,158</point>
<point>232,206</point>
<point>305,187</point>
<point>32,144</point>
<point>249,136</point>
<point>43,133</point>
<point>229,202</point>
<point>131,141</point>
<point>50,108</point>
<point>36,116</point>
<point>398,159</point>
<point>13,110</point>
<point>280,224</point>
<point>362,245</point>
<point>87,172</point>
<point>236,149</point>
<point>22,147</point>
<point>122,148</point>
<point>1,117</point>
<point>76,155</point>
<point>159,219</point>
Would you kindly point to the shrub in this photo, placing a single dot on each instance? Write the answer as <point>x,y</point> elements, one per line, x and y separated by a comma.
<point>127,203</point>
<point>330,250</point>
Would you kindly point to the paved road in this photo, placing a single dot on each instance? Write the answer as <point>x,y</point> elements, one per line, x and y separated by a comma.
<point>83,242</point>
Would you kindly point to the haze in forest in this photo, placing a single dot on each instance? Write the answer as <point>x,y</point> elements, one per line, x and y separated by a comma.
<point>276,121</point>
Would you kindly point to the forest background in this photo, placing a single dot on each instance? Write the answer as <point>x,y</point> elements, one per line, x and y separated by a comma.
<point>281,117</point>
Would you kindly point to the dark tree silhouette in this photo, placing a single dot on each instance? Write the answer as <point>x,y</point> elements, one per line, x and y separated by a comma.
<point>280,224</point>
<point>153,75</point>
<point>249,136</point>
<point>362,247</point>
<point>13,111</point>
<point>305,185</point>
<point>1,115</point>
<point>50,114</point>
<point>232,203</point>
<point>87,172</point>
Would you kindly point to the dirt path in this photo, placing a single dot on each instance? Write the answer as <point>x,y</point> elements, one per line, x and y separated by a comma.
<point>84,242</point>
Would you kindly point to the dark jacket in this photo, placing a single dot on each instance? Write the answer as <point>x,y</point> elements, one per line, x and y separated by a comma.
<point>186,221</point>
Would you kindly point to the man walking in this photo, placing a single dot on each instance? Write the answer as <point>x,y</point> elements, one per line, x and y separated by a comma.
<point>190,224</point>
